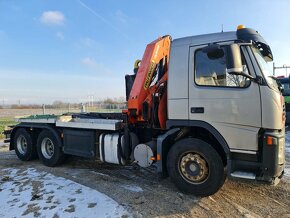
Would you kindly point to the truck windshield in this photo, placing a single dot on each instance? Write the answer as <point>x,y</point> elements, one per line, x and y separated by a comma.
<point>266,68</point>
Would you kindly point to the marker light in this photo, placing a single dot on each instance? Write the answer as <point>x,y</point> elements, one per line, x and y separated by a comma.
<point>158,157</point>
<point>269,140</point>
<point>240,27</point>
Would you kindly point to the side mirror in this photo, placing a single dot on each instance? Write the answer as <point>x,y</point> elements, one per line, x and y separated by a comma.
<point>234,63</point>
<point>213,51</point>
<point>234,59</point>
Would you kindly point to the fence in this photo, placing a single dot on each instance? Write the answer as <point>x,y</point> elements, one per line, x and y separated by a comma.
<point>61,109</point>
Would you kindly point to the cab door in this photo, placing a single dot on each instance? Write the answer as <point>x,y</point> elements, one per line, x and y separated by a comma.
<point>230,103</point>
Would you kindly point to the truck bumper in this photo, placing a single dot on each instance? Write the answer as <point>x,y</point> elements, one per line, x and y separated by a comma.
<point>273,157</point>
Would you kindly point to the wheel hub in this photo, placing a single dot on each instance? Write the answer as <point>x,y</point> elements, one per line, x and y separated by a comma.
<point>21,144</point>
<point>193,168</point>
<point>47,148</point>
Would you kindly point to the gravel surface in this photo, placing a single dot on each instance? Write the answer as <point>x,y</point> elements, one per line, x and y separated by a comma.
<point>142,193</point>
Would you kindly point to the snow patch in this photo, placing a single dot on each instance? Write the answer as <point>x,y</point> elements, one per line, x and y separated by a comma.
<point>33,193</point>
<point>132,188</point>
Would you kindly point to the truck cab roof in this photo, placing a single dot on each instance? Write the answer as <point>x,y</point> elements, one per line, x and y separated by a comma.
<point>205,38</point>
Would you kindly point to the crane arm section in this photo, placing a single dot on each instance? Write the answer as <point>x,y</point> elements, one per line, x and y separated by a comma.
<point>152,70</point>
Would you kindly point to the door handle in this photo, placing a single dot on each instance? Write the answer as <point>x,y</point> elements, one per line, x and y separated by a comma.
<point>197,110</point>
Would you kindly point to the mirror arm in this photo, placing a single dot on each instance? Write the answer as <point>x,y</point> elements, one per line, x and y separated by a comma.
<point>259,80</point>
<point>248,76</point>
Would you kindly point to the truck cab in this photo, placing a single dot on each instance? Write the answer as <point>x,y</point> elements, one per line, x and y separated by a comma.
<point>242,114</point>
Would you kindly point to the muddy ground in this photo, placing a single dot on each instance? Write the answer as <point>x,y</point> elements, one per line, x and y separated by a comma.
<point>159,196</point>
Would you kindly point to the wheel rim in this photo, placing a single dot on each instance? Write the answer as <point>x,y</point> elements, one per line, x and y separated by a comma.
<point>47,148</point>
<point>193,168</point>
<point>22,144</point>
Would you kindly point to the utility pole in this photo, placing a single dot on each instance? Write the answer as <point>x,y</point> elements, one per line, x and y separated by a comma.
<point>43,109</point>
<point>93,100</point>
<point>90,100</point>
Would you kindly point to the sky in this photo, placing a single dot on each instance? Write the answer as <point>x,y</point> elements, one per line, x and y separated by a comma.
<point>71,50</point>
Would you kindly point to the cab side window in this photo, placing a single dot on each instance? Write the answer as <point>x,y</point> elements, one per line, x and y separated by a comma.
<point>212,71</point>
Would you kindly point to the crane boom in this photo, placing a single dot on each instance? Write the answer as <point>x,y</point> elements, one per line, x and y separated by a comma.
<point>151,74</point>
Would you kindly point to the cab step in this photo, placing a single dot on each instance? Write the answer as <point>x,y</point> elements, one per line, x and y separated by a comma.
<point>243,175</point>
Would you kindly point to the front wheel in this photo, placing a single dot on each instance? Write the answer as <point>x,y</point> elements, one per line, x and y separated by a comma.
<point>195,167</point>
<point>49,148</point>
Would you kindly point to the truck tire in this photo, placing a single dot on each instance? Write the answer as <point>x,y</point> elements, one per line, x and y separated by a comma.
<point>49,149</point>
<point>195,167</point>
<point>23,145</point>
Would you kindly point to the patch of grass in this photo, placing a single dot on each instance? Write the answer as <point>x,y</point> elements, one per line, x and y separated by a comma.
<point>5,121</point>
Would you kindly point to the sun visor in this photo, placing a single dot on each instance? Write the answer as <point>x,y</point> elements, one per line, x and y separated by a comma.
<point>248,34</point>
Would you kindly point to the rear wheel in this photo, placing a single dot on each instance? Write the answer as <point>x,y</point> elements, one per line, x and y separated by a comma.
<point>195,167</point>
<point>23,145</point>
<point>49,149</point>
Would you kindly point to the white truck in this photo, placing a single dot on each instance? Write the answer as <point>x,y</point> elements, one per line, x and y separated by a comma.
<point>200,109</point>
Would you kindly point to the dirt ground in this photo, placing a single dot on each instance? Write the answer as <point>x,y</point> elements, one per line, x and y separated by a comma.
<point>159,197</point>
